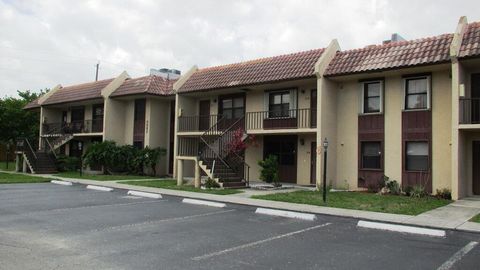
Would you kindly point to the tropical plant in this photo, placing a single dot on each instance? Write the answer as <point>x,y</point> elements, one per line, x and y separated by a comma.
<point>210,183</point>
<point>65,163</point>
<point>418,191</point>
<point>269,172</point>
<point>444,193</point>
<point>151,156</point>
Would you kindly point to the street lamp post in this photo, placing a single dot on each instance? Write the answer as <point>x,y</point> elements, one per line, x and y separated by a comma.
<point>325,147</point>
<point>80,146</point>
<point>8,152</point>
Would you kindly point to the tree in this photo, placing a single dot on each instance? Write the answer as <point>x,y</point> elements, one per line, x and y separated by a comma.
<point>15,122</point>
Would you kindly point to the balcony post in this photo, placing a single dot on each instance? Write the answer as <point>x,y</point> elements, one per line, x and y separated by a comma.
<point>197,181</point>
<point>179,172</point>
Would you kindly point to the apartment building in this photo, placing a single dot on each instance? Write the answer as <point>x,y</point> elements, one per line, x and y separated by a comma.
<point>134,111</point>
<point>407,109</point>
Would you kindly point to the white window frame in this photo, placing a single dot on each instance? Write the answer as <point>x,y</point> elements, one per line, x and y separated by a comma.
<point>429,91</point>
<point>362,96</point>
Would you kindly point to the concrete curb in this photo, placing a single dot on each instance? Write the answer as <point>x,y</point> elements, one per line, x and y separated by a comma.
<point>202,202</point>
<point>401,228</point>
<point>144,194</point>
<point>99,188</point>
<point>304,208</point>
<point>287,214</point>
<point>65,183</point>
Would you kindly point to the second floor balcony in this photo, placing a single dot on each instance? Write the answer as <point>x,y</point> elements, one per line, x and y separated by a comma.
<point>74,127</point>
<point>253,121</point>
<point>469,111</point>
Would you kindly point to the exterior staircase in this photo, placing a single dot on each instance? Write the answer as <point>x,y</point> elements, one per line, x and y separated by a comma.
<point>218,158</point>
<point>38,161</point>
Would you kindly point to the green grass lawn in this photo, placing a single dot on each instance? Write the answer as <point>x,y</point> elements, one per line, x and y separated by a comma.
<point>102,177</point>
<point>360,201</point>
<point>11,166</point>
<point>10,178</point>
<point>476,218</point>
<point>172,184</point>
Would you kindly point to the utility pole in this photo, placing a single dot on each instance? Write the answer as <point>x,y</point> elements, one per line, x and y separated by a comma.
<point>96,70</point>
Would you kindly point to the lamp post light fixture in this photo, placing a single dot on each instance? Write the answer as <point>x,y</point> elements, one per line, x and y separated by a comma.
<point>325,147</point>
<point>80,146</point>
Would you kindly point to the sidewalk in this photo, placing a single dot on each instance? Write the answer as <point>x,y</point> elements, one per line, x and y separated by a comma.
<point>454,216</point>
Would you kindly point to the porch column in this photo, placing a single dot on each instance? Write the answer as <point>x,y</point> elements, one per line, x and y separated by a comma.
<point>179,172</point>
<point>24,167</point>
<point>197,181</point>
<point>17,162</point>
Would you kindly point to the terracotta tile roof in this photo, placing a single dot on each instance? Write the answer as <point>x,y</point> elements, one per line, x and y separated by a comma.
<point>471,41</point>
<point>393,55</point>
<point>151,84</point>
<point>79,92</point>
<point>32,105</point>
<point>284,67</point>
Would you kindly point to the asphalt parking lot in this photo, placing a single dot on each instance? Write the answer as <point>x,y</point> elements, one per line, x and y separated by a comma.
<point>47,226</point>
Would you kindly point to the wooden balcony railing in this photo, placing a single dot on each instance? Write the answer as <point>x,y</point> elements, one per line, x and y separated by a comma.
<point>469,110</point>
<point>196,122</point>
<point>86,126</point>
<point>286,119</point>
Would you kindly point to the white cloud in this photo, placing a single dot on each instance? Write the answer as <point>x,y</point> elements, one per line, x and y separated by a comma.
<point>44,43</point>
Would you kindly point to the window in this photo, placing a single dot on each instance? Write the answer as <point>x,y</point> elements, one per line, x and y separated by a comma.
<point>416,156</point>
<point>372,97</point>
<point>233,108</point>
<point>279,104</point>
<point>416,93</point>
<point>371,155</point>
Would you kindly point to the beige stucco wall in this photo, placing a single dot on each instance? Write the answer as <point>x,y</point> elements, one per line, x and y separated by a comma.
<point>441,130</point>
<point>115,123</point>
<point>253,154</point>
<point>327,125</point>
<point>393,104</point>
<point>157,133</point>
<point>347,136</point>
<point>304,158</point>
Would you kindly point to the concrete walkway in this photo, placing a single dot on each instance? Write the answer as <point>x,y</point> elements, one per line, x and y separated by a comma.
<point>453,216</point>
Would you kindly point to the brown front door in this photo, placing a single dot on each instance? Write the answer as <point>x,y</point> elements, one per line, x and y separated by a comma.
<point>285,148</point>
<point>204,115</point>
<point>476,168</point>
<point>313,163</point>
<point>313,108</point>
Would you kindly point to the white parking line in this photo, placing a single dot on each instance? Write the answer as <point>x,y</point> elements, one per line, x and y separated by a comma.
<point>457,256</point>
<point>221,252</point>
<point>65,183</point>
<point>400,228</point>
<point>150,222</point>
<point>99,188</point>
<point>201,202</point>
<point>283,213</point>
<point>144,194</point>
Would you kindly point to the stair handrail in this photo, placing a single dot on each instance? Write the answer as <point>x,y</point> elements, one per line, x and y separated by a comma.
<point>30,148</point>
<point>51,149</point>
<point>241,160</point>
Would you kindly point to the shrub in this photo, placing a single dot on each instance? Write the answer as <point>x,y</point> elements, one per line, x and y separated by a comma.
<point>375,186</point>
<point>408,190</point>
<point>444,193</point>
<point>269,172</point>
<point>122,159</point>
<point>151,156</point>
<point>210,183</point>
<point>392,186</point>
<point>65,163</point>
<point>418,191</point>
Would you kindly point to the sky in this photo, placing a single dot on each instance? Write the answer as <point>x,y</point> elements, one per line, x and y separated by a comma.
<point>50,42</point>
